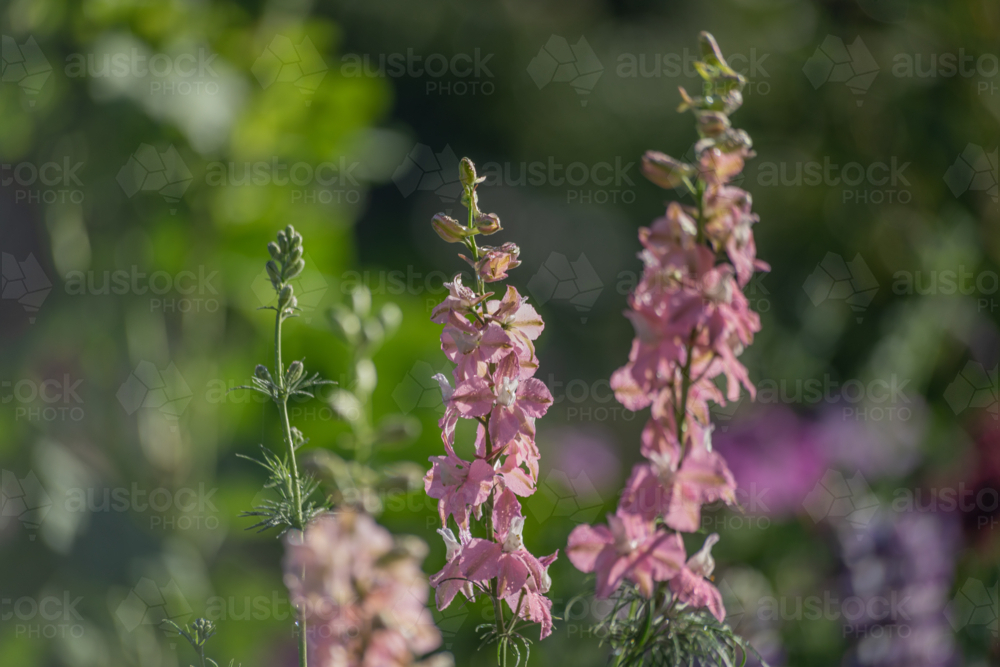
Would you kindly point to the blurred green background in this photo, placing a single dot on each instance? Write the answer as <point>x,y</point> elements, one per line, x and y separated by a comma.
<point>149,150</point>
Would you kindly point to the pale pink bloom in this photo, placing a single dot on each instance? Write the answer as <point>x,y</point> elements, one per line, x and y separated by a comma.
<point>519,401</point>
<point>472,347</point>
<point>458,485</point>
<point>629,547</point>
<point>494,263</point>
<point>531,604</point>
<point>691,585</point>
<point>717,166</point>
<point>364,599</point>
<point>505,559</point>
<point>661,488</point>
<point>522,322</point>
<point>460,300</point>
<point>450,580</point>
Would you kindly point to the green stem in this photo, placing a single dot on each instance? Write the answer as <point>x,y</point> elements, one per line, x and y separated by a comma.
<point>295,483</point>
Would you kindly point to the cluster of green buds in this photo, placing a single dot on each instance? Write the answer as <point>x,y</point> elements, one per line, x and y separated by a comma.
<point>286,264</point>
<point>363,329</point>
<point>360,328</point>
<point>718,139</point>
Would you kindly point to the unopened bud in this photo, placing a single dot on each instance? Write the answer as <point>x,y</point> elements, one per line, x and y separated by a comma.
<point>295,268</point>
<point>712,123</point>
<point>450,229</point>
<point>391,317</point>
<point>361,300</point>
<point>664,170</point>
<point>275,251</point>
<point>262,373</point>
<point>282,242</point>
<point>294,372</point>
<point>467,173</point>
<point>710,51</point>
<point>488,223</point>
<point>285,296</point>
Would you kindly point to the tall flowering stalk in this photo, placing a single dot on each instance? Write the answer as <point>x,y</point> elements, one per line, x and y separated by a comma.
<point>359,595</point>
<point>491,342</point>
<point>692,321</point>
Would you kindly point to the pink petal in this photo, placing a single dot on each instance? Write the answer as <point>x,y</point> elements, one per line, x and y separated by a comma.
<point>480,560</point>
<point>504,425</point>
<point>585,544</point>
<point>534,397</point>
<point>473,397</point>
<point>505,508</point>
<point>512,575</point>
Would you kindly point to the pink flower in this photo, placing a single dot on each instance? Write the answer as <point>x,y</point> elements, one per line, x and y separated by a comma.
<point>661,488</point>
<point>505,559</point>
<point>691,586</point>
<point>364,598</point>
<point>519,401</point>
<point>522,322</point>
<point>450,580</point>
<point>472,348</point>
<point>458,485</point>
<point>460,300</point>
<point>531,604</point>
<point>494,263</point>
<point>627,548</point>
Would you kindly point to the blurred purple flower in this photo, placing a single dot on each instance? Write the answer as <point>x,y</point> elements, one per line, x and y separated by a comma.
<point>590,452</point>
<point>776,458</point>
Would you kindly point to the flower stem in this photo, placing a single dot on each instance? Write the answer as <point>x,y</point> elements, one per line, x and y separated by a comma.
<point>294,482</point>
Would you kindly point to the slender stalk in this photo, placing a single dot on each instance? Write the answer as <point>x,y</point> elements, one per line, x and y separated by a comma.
<point>295,483</point>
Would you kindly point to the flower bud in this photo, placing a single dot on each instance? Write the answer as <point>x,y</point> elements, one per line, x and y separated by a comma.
<point>295,254</point>
<point>262,373</point>
<point>450,229</point>
<point>345,323</point>
<point>467,173</point>
<point>488,223</point>
<point>391,317</point>
<point>495,262</point>
<point>285,296</point>
<point>664,170</point>
<point>367,377</point>
<point>275,251</point>
<point>361,300</point>
<point>294,372</point>
<point>712,123</point>
<point>282,242</point>
<point>273,273</point>
<point>295,268</point>
<point>710,51</point>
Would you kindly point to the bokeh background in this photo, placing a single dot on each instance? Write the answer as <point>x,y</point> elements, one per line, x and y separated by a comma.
<point>150,149</point>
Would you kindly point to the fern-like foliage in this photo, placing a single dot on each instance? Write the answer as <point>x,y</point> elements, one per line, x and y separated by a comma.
<point>664,633</point>
<point>281,512</point>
